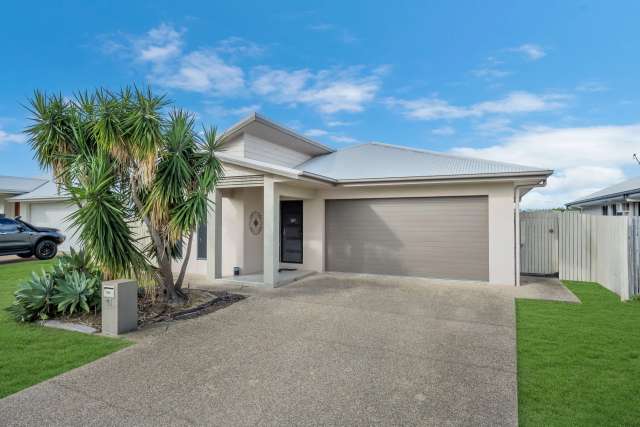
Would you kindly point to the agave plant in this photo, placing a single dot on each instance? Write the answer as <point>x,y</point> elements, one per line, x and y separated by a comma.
<point>77,291</point>
<point>33,298</point>
<point>75,261</point>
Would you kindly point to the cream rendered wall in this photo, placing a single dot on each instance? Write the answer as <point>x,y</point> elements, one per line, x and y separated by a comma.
<point>252,147</point>
<point>195,266</point>
<point>253,244</point>
<point>232,232</point>
<point>501,215</point>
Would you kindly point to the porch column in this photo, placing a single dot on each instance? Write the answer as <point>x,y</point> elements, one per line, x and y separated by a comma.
<point>214,236</point>
<point>271,234</point>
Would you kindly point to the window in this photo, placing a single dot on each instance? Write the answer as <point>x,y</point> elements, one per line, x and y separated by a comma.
<point>8,225</point>
<point>202,241</point>
<point>614,210</point>
<point>605,210</point>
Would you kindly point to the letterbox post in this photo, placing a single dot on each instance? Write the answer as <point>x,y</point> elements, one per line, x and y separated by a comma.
<point>119,306</point>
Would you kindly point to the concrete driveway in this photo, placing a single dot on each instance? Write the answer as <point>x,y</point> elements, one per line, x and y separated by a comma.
<point>330,350</point>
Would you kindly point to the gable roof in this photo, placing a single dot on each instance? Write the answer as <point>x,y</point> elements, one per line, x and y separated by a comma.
<point>260,126</point>
<point>19,185</point>
<point>378,162</point>
<point>623,188</point>
<point>47,191</point>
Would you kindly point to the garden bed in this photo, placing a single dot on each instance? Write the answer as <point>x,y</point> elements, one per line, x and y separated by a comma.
<point>199,302</point>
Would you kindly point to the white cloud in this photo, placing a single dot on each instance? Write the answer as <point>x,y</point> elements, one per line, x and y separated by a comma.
<point>159,44</point>
<point>329,91</point>
<point>172,66</point>
<point>342,139</point>
<point>444,131</point>
<point>11,138</point>
<point>315,132</point>
<point>493,126</point>
<point>337,123</point>
<point>239,46</point>
<point>490,73</point>
<point>532,51</point>
<point>201,71</point>
<point>585,159</point>
<point>592,86</point>
<point>513,103</point>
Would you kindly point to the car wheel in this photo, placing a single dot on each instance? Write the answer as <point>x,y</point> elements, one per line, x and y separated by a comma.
<point>25,255</point>
<point>46,249</point>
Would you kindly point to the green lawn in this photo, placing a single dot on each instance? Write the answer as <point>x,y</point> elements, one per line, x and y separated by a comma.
<point>30,354</point>
<point>579,364</point>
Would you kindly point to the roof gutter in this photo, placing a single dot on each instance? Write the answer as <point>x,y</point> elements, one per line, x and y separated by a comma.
<point>613,198</point>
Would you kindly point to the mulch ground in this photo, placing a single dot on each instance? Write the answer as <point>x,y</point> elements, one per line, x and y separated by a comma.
<point>199,302</point>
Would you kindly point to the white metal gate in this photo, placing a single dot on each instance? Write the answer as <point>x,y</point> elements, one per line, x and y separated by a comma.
<point>539,242</point>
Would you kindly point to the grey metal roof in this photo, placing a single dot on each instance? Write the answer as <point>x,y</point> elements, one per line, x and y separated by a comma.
<point>47,191</point>
<point>625,187</point>
<point>376,161</point>
<point>19,185</point>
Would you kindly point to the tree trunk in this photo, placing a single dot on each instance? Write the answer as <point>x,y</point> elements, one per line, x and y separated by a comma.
<point>185,261</point>
<point>163,258</point>
<point>173,294</point>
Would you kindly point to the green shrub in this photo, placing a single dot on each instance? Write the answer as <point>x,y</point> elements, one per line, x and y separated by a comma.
<point>33,298</point>
<point>76,291</point>
<point>72,285</point>
<point>75,261</point>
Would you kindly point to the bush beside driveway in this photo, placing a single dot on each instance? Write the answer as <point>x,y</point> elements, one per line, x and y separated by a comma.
<point>30,354</point>
<point>579,364</point>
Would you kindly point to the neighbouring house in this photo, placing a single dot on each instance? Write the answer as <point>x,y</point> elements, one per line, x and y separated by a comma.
<point>621,199</point>
<point>287,206</point>
<point>12,186</point>
<point>46,206</point>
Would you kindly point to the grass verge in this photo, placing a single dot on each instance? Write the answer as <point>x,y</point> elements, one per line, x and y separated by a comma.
<point>30,354</point>
<point>579,364</point>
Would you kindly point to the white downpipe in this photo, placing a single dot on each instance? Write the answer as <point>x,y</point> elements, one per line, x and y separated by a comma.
<point>517,233</point>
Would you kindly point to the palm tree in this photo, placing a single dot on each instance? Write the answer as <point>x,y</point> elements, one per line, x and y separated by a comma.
<point>126,162</point>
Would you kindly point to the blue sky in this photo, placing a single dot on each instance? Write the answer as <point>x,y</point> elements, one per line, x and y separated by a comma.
<point>551,84</point>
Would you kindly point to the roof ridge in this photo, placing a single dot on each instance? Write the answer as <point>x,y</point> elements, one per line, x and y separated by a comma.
<point>455,156</point>
<point>255,116</point>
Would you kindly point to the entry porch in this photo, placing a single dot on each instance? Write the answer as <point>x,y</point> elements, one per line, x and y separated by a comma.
<point>266,233</point>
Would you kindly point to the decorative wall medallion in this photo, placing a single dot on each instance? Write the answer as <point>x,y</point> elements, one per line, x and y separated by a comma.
<point>255,223</point>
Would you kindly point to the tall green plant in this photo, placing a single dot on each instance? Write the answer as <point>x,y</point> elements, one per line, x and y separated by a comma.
<point>126,162</point>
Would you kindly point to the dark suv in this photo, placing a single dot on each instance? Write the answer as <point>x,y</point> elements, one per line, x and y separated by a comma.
<point>25,240</point>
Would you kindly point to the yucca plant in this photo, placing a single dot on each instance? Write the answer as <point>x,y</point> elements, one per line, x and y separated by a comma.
<point>33,298</point>
<point>125,162</point>
<point>77,291</point>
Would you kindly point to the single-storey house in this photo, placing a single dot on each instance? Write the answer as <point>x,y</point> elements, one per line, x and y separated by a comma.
<point>288,202</point>
<point>12,186</point>
<point>46,206</point>
<point>288,205</point>
<point>619,199</point>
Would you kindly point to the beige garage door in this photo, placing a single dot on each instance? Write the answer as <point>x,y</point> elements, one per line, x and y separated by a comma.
<point>440,237</point>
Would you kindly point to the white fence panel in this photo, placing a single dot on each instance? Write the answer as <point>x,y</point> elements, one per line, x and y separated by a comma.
<point>595,249</point>
<point>539,242</point>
